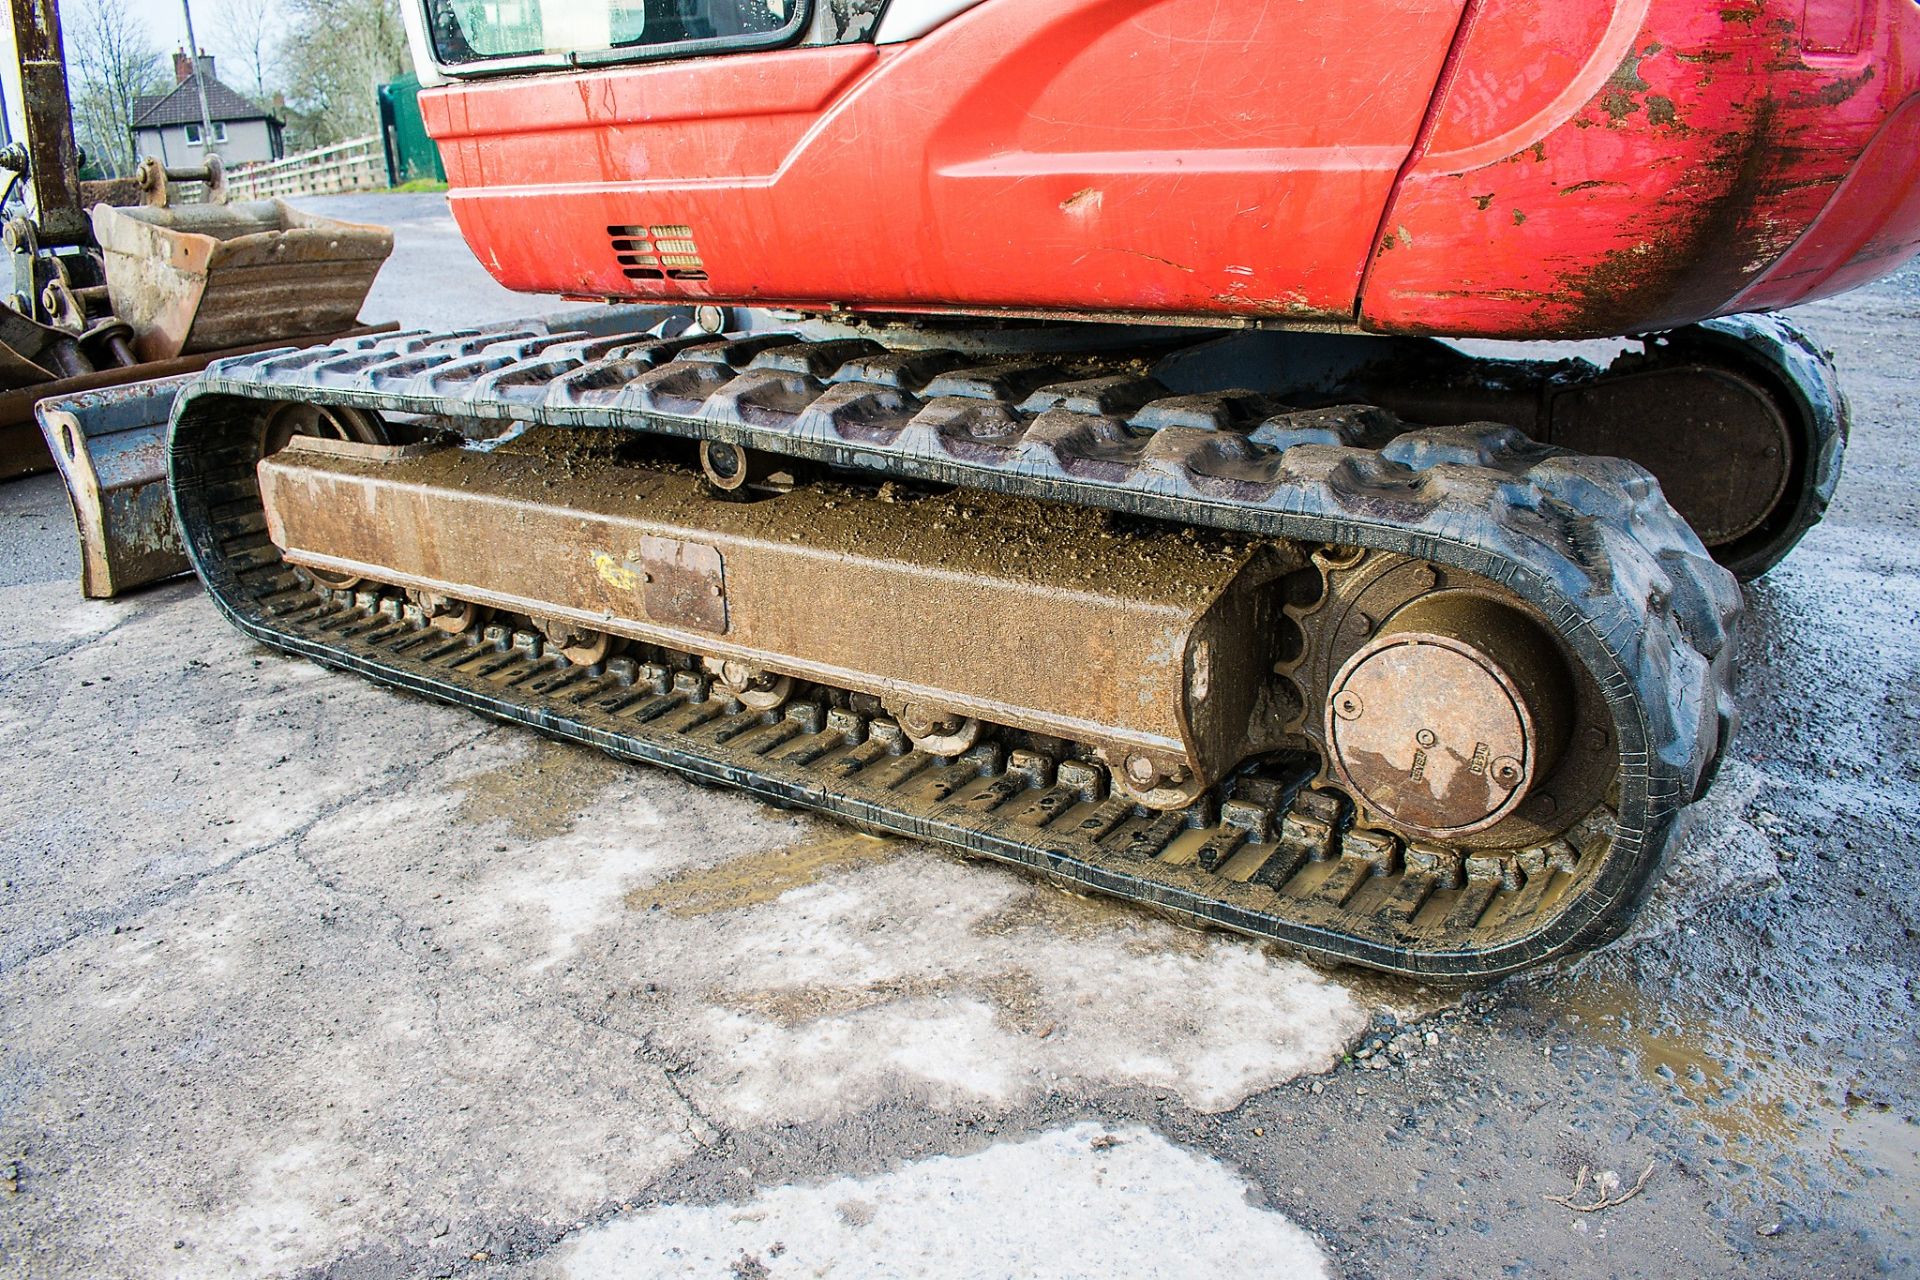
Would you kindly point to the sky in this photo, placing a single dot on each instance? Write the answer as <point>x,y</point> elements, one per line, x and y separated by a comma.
<point>168,28</point>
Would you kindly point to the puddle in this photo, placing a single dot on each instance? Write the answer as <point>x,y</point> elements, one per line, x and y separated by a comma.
<point>1739,1091</point>
<point>1776,1113</point>
<point>763,877</point>
<point>1884,1146</point>
<point>540,795</point>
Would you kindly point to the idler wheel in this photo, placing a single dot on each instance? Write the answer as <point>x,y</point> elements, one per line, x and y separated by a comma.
<point>327,421</point>
<point>1446,719</point>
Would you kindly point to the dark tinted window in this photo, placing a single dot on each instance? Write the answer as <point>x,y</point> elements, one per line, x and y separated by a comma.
<point>467,31</point>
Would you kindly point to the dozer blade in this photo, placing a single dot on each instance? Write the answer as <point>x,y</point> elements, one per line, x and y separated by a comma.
<point>111,448</point>
<point>106,432</point>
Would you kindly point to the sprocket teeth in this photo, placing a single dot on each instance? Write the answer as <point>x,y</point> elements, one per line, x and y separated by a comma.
<point>1326,561</point>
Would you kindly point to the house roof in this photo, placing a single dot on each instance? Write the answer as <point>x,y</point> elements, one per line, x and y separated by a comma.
<point>182,105</point>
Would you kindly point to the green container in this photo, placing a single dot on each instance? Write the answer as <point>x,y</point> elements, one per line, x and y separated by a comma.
<point>411,154</point>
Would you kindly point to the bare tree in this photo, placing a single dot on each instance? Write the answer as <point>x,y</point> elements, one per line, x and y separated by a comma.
<point>337,55</point>
<point>111,63</point>
<point>243,33</point>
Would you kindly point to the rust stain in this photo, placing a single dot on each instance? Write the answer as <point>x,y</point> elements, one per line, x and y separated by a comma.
<point>1057,912</point>
<point>797,1006</point>
<point>1617,99</point>
<point>1694,260</point>
<point>540,796</point>
<point>1627,94</point>
<point>1589,185</point>
<point>762,877</point>
<point>1154,257</point>
<point>1016,996</point>
<point>1835,92</point>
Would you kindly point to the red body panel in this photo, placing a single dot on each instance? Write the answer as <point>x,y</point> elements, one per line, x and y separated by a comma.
<point>1495,167</point>
<point>1706,160</point>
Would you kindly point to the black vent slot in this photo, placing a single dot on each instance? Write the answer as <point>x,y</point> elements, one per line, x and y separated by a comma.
<point>658,252</point>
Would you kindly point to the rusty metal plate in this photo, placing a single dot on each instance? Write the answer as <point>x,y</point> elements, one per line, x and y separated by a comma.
<point>685,584</point>
<point>111,448</point>
<point>1013,612</point>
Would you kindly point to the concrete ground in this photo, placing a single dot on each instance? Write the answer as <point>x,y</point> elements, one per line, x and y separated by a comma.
<point>302,977</point>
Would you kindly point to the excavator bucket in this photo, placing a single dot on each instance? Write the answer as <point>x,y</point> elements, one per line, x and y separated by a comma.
<point>110,444</point>
<point>111,448</point>
<point>188,284</point>
<point>203,277</point>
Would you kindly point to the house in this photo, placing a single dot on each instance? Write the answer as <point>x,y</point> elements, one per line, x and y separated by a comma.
<point>168,124</point>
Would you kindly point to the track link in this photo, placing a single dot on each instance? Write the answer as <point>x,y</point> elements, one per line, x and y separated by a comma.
<point>1587,543</point>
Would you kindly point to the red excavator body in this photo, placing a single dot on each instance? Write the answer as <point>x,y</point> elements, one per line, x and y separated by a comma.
<point>1371,645</point>
<point>1499,168</point>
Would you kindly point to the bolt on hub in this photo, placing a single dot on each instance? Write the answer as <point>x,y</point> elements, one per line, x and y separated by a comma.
<point>1445,719</point>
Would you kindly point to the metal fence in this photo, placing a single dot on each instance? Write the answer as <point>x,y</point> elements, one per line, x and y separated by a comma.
<point>356,165</point>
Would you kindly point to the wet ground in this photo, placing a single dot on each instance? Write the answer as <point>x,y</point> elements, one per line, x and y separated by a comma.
<point>300,977</point>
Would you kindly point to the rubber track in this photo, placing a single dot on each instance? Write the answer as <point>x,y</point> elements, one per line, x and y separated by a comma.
<point>1590,542</point>
<point>1781,356</point>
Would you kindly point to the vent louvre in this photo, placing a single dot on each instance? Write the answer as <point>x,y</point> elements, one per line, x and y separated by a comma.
<point>664,251</point>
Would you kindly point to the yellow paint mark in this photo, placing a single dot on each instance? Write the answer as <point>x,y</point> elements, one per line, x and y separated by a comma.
<point>614,573</point>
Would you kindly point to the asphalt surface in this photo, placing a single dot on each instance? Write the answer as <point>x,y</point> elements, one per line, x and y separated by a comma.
<point>302,977</point>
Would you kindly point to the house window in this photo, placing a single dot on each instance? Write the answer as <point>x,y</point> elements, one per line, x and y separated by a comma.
<point>219,133</point>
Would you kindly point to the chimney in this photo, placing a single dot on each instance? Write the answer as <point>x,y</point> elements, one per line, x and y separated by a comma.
<point>183,65</point>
